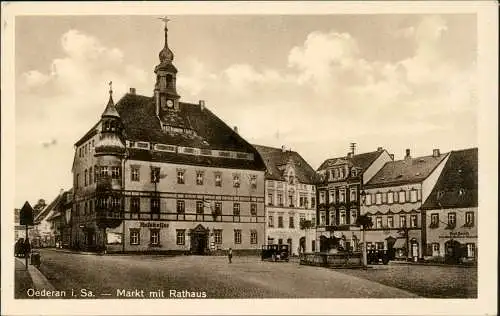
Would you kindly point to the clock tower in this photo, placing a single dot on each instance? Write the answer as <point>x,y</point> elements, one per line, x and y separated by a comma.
<point>166,97</point>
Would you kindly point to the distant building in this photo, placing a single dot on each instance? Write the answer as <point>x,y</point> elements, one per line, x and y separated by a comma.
<point>157,174</point>
<point>60,220</point>
<point>342,180</point>
<point>450,210</point>
<point>290,199</point>
<point>20,230</point>
<point>44,231</point>
<point>393,197</point>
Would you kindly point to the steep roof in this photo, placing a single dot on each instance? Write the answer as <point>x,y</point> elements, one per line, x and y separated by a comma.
<point>362,161</point>
<point>48,209</point>
<point>408,170</point>
<point>274,158</point>
<point>456,187</point>
<point>140,123</point>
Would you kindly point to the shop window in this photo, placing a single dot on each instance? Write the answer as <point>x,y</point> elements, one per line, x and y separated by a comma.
<point>471,250</point>
<point>435,249</point>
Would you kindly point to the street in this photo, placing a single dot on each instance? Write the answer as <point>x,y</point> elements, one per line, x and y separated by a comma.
<point>246,277</point>
<point>150,276</point>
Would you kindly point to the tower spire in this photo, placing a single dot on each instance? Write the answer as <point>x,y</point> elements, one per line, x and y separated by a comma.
<point>110,107</point>
<point>166,54</point>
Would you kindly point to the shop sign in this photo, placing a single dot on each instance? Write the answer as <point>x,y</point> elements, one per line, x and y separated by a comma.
<point>153,225</point>
<point>458,235</point>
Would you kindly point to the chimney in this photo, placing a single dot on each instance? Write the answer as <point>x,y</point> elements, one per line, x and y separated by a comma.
<point>235,129</point>
<point>132,91</point>
<point>436,153</point>
<point>380,149</point>
<point>349,155</point>
<point>407,154</point>
<point>202,105</point>
<point>392,156</point>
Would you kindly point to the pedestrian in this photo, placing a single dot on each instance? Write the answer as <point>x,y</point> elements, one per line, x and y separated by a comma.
<point>230,254</point>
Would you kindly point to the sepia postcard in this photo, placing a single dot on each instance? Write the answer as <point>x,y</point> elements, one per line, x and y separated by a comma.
<point>254,158</point>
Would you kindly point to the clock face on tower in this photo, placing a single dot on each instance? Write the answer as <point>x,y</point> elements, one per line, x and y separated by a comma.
<point>170,104</point>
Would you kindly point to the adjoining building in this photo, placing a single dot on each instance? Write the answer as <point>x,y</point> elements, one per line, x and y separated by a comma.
<point>450,211</point>
<point>290,199</point>
<point>393,197</point>
<point>342,180</point>
<point>157,174</point>
<point>44,230</point>
<point>60,220</point>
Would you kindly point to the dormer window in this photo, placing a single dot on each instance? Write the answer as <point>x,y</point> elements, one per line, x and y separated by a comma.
<point>354,173</point>
<point>253,182</point>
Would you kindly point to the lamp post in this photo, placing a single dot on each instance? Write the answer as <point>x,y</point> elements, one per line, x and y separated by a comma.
<point>360,221</point>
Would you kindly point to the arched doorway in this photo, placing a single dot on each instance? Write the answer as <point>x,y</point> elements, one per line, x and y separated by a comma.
<point>199,240</point>
<point>302,244</point>
<point>323,243</point>
<point>452,251</point>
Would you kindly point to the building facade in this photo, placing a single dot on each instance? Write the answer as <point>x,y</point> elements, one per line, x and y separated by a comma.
<point>157,174</point>
<point>339,190</point>
<point>290,199</point>
<point>451,210</point>
<point>393,198</point>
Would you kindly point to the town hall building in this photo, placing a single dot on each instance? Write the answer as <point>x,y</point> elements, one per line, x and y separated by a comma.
<point>157,174</point>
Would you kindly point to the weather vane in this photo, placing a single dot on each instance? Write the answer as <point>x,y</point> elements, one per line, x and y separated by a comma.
<point>165,19</point>
<point>110,87</point>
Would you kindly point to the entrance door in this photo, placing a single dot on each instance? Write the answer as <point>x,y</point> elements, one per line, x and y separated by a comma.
<point>452,251</point>
<point>199,240</point>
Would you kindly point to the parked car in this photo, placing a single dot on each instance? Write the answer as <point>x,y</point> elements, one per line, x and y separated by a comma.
<point>378,256</point>
<point>275,253</point>
<point>19,248</point>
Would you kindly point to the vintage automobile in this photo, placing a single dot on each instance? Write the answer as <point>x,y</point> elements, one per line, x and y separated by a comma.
<point>275,252</point>
<point>376,256</point>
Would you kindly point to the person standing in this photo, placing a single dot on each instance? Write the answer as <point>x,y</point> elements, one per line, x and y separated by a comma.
<point>230,255</point>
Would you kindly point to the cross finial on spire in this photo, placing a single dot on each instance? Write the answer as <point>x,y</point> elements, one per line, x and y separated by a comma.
<point>110,87</point>
<point>165,19</point>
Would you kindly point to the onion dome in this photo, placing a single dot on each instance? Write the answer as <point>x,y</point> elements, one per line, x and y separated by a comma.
<point>110,144</point>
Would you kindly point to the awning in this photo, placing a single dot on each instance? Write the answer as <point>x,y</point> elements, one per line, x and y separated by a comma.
<point>400,243</point>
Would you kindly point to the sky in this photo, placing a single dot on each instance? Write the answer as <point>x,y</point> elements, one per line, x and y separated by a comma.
<point>311,83</point>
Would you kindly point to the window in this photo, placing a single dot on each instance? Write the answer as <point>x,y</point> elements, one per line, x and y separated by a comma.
<point>115,202</point>
<point>199,177</point>
<point>236,212</point>
<point>218,180</point>
<point>85,178</point>
<point>332,218</point>
<point>270,199</point>
<point>280,221</point>
<point>396,197</point>
<point>253,182</point>
<point>85,209</point>
<point>96,173</point>
<point>313,245</point>
<point>236,181</point>
<point>77,180</point>
<point>378,223</point>
<point>378,198</point>
<point>155,206</point>
<point>390,198</point>
<point>435,249</point>
<point>199,207</point>
<point>104,171</point>
<point>280,241</point>
<point>402,197</point>
<point>413,221</point>
<point>313,202</point>
<point>154,237</point>
<point>353,194</point>
<point>469,219</point>
<point>434,220</point>
<point>217,208</point>
<point>353,215</point>
<point>180,177</point>
<point>115,172</point>
<point>471,250</point>
<point>342,217</point>
<point>368,199</point>
<point>291,223</point>
<point>452,220</point>
<point>253,237</point>
<point>322,218</point>
<point>353,172</point>
<point>322,197</point>
<point>413,196</point>
<point>253,209</point>
<point>135,204</point>
<point>218,236</point>
<point>271,221</point>
<point>135,236</point>
<point>90,176</point>
<point>181,237</point>
<point>280,199</point>
<point>390,221</point>
<point>181,206</point>
<point>402,221</point>
<point>342,195</point>
<point>270,241</point>
<point>291,200</point>
<point>237,236</point>
<point>313,220</point>
<point>331,197</point>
